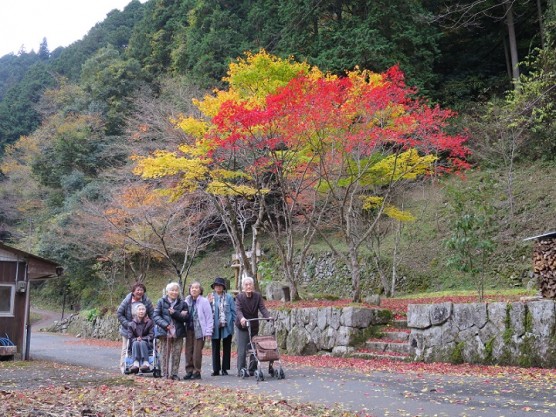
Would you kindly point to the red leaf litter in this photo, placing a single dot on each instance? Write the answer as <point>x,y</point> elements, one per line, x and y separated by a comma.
<point>398,306</point>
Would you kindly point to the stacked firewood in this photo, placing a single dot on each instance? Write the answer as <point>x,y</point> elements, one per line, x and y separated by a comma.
<point>544,265</point>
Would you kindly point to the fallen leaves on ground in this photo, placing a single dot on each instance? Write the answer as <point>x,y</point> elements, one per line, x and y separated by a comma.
<point>397,305</point>
<point>64,391</point>
<point>393,366</point>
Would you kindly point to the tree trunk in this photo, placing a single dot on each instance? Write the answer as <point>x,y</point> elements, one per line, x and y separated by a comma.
<point>255,247</point>
<point>541,25</point>
<point>395,259</point>
<point>512,42</point>
<point>227,214</point>
<point>355,274</point>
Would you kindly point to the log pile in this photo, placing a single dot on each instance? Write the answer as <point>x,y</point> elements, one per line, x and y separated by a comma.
<point>544,265</point>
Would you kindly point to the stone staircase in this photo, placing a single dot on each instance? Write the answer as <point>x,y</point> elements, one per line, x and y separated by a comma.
<point>393,344</point>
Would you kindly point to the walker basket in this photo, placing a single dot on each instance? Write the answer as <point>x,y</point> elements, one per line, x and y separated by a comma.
<point>266,348</point>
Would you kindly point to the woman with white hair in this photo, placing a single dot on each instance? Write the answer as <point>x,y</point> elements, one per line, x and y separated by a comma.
<point>170,314</point>
<point>248,305</point>
<point>141,334</point>
<point>125,314</point>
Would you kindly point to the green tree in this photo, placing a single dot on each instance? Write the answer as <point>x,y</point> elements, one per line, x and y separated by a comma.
<point>18,115</point>
<point>375,35</point>
<point>44,52</point>
<point>482,42</point>
<point>115,30</point>
<point>471,242</point>
<point>158,35</point>
<point>111,80</point>
<point>216,32</point>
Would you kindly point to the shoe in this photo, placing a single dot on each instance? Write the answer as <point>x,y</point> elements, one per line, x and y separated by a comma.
<point>196,376</point>
<point>187,376</point>
<point>224,372</point>
<point>175,378</point>
<point>145,366</point>
<point>217,373</point>
<point>134,369</point>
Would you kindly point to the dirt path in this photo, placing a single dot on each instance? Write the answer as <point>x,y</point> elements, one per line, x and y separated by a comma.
<point>47,318</point>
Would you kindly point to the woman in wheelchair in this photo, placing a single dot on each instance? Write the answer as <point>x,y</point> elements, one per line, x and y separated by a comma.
<point>141,334</point>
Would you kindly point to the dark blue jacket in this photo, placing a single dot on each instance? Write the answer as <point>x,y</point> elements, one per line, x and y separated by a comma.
<point>163,318</point>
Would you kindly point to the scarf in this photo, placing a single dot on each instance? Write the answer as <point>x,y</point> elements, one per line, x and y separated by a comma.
<point>222,304</point>
<point>195,320</point>
<point>222,311</point>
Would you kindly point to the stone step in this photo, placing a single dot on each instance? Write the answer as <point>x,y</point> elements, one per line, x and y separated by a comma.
<point>399,323</point>
<point>382,347</point>
<point>395,336</point>
<point>380,355</point>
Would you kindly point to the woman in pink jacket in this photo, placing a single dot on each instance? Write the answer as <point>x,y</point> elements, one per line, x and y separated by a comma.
<point>199,329</point>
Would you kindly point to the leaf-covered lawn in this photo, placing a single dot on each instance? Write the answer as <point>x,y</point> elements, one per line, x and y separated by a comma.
<point>398,306</point>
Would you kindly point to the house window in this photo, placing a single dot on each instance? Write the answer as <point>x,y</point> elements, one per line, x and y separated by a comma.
<point>7,294</point>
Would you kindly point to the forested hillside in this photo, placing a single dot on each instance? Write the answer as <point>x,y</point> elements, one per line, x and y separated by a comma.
<point>176,129</point>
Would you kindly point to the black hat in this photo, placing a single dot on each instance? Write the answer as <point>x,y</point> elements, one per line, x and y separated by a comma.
<point>218,281</point>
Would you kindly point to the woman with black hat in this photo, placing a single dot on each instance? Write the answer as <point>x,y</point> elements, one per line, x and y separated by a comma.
<point>224,312</point>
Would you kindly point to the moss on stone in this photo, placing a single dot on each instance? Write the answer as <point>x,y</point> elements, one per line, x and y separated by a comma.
<point>489,350</point>
<point>508,331</point>
<point>359,337</point>
<point>384,315</point>
<point>457,354</point>
<point>527,356</point>
<point>528,324</point>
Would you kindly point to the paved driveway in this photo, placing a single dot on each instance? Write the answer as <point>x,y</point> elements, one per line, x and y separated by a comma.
<point>376,393</point>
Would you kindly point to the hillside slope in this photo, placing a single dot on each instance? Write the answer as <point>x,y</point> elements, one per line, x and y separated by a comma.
<point>422,255</point>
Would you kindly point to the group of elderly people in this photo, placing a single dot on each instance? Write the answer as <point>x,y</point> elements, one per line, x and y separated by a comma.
<point>195,318</point>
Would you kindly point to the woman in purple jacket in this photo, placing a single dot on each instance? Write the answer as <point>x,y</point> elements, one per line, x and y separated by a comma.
<point>199,329</point>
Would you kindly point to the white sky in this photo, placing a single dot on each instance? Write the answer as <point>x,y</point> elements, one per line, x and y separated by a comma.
<point>62,22</point>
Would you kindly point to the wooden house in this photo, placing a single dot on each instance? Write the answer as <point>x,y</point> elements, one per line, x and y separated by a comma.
<point>17,270</point>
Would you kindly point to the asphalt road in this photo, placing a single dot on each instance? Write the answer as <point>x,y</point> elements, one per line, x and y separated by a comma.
<point>376,393</point>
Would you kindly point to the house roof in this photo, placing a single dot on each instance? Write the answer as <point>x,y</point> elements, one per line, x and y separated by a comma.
<point>549,234</point>
<point>37,267</point>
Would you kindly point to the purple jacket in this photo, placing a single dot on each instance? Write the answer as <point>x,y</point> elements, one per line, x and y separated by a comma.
<point>204,313</point>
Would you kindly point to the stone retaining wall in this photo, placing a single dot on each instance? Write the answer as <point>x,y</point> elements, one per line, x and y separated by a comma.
<point>306,331</point>
<point>106,327</point>
<point>303,331</point>
<point>517,333</point>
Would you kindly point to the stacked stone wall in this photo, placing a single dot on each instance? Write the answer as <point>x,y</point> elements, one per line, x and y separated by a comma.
<point>337,331</point>
<point>518,333</point>
<point>303,331</point>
